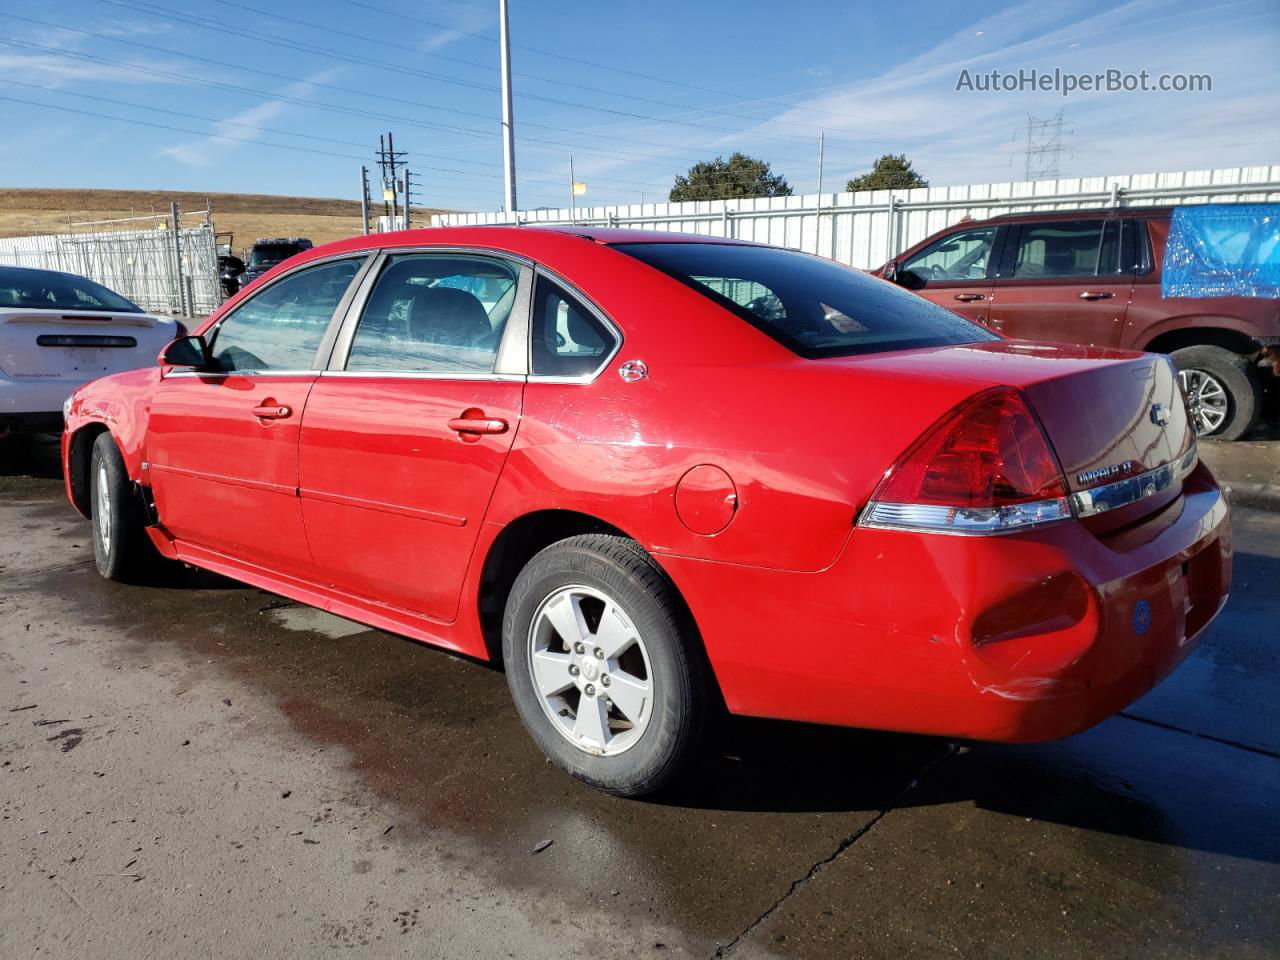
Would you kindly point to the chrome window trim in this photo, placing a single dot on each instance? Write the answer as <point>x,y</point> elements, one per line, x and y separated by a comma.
<point>242,373</point>
<point>210,334</point>
<point>411,375</point>
<point>1122,493</point>
<point>590,305</point>
<point>504,368</point>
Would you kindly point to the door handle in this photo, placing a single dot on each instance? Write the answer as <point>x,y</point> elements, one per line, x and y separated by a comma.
<point>1096,295</point>
<point>270,410</point>
<point>477,424</point>
<point>969,297</point>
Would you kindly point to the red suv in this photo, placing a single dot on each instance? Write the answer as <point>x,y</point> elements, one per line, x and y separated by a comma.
<point>1092,277</point>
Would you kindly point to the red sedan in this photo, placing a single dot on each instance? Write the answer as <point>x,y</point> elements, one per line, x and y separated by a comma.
<point>651,473</point>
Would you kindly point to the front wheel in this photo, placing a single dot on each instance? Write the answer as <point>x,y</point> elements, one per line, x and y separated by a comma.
<point>1222,390</point>
<point>604,665</point>
<point>121,548</point>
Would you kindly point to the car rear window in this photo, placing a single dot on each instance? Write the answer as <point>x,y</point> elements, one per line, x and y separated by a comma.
<point>813,306</point>
<point>52,290</point>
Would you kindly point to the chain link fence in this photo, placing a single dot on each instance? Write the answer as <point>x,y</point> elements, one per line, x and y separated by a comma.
<point>154,268</point>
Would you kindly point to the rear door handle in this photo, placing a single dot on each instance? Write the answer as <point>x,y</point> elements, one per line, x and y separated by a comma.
<point>1096,295</point>
<point>969,297</point>
<point>272,411</point>
<point>478,425</point>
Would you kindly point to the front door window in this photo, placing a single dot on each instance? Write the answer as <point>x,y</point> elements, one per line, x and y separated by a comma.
<point>281,327</point>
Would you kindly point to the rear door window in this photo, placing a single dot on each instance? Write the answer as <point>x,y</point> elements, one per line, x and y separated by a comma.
<point>568,340</point>
<point>435,313</point>
<point>1067,248</point>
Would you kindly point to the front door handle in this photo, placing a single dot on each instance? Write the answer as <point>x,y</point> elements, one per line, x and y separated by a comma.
<point>969,297</point>
<point>1096,295</point>
<point>472,423</point>
<point>270,410</point>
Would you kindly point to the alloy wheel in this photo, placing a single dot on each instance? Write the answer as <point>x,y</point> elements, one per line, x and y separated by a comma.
<point>102,509</point>
<point>1207,399</point>
<point>591,670</point>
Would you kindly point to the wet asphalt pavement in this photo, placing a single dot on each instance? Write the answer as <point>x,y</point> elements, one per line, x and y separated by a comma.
<point>284,781</point>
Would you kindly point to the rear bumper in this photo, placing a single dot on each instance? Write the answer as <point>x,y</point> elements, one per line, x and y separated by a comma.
<point>1015,638</point>
<point>34,397</point>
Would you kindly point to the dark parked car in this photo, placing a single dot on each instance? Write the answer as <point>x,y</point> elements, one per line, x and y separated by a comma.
<point>1092,277</point>
<point>267,253</point>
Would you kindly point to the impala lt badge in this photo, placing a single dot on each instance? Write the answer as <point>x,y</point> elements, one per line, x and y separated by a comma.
<point>1159,414</point>
<point>1106,473</point>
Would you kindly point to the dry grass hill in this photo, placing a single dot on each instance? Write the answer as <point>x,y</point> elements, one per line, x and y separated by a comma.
<point>247,215</point>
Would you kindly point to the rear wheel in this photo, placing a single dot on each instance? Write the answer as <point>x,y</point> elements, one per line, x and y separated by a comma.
<point>122,550</point>
<point>603,664</point>
<point>1223,391</point>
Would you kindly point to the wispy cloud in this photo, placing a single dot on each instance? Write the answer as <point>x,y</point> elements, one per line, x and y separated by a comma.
<point>240,126</point>
<point>464,18</point>
<point>960,137</point>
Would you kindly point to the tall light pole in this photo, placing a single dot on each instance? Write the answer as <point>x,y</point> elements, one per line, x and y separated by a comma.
<point>508,131</point>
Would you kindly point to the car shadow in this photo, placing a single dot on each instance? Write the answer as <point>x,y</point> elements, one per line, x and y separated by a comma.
<point>32,455</point>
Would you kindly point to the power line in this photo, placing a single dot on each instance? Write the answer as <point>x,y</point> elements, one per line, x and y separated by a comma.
<point>382,95</point>
<point>290,133</point>
<point>357,112</point>
<point>304,47</point>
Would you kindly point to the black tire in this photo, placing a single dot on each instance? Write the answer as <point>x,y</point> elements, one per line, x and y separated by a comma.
<point>620,569</point>
<point>125,553</point>
<point>1238,379</point>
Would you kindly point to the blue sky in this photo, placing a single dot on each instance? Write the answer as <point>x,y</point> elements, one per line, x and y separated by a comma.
<point>636,92</point>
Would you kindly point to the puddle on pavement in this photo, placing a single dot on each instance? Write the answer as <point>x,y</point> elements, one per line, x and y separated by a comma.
<point>309,619</point>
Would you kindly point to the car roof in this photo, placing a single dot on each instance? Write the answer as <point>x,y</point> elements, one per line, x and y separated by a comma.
<point>615,235</point>
<point>1157,213</point>
<point>42,271</point>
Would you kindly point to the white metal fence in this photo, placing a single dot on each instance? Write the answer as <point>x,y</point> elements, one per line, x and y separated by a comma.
<point>865,229</point>
<point>144,265</point>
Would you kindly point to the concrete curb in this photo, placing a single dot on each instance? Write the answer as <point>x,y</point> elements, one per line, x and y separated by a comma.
<point>1255,496</point>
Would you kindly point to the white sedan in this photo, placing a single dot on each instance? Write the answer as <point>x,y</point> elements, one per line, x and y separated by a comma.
<point>57,331</point>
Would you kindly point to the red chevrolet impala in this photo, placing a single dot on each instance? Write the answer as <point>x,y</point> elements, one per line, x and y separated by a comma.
<point>650,473</point>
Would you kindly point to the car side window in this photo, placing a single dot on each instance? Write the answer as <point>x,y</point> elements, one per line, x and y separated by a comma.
<point>281,327</point>
<point>435,313</point>
<point>960,256</point>
<point>568,340</point>
<point>1066,248</point>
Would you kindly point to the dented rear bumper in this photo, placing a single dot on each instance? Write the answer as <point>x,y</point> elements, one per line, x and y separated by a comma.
<point>1014,638</point>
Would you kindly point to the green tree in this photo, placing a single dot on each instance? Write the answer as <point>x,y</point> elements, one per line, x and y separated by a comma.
<point>720,179</point>
<point>891,172</point>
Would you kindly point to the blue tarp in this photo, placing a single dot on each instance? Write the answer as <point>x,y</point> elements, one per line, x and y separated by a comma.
<point>1223,251</point>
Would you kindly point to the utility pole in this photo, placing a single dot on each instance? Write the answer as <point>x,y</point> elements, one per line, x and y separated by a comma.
<point>406,197</point>
<point>364,198</point>
<point>389,161</point>
<point>573,203</point>
<point>508,130</point>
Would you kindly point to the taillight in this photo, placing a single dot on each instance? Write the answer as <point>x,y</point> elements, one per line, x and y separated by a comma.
<point>986,467</point>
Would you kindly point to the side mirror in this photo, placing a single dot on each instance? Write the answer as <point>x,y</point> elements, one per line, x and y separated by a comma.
<point>890,271</point>
<point>909,280</point>
<point>185,352</point>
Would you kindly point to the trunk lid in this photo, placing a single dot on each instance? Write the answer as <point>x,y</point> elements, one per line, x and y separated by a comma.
<point>76,345</point>
<point>1109,414</point>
